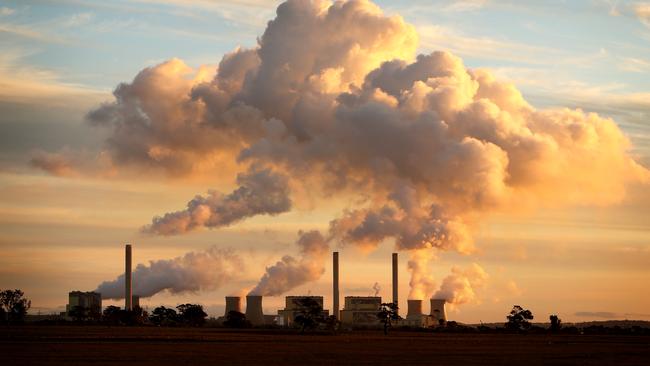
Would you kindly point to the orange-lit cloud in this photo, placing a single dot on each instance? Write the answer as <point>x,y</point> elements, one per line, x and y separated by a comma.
<point>335,100</point>
<point>192,272</point>
<point>461,285</point>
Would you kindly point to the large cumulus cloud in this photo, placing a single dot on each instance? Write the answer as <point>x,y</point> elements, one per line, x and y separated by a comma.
<point>334,100</point>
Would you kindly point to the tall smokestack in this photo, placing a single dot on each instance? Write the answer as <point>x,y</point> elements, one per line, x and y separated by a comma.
<point>233,303</point>
<point>438,312</point>
<point>415,308</point>
<point>128,303</point>
<point>335,281</point>
<point>254,312</point>
<point>395,292</point>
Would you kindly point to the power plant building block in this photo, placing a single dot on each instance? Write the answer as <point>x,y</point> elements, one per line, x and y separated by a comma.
<point>361,311</point>
<point>294,307</point>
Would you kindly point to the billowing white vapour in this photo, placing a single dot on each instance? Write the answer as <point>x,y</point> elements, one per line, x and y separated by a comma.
<point>193,272</point>
<point>422,283</point>
<point>290,272</point>
<point>460,286</point>
<point>335,101</point>
<point>261,191</point>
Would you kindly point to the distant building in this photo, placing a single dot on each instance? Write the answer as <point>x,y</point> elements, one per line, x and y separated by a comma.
<point>294,307</point>
<point>135,301</point>
<point>90,301</point>
<point>361,311</point>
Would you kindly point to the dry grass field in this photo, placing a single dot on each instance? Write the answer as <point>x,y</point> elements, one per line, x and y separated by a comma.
<point>141,346</point>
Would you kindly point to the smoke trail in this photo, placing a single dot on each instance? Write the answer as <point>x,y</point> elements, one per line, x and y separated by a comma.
<point>195,271</point>
<point>290,272</point>
<point>422,282</point>
<point>377,288</point>
<point>261,191</point>
<point>460,286</point>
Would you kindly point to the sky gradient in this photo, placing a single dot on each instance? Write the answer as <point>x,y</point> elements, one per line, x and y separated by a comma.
<point>64,229</point>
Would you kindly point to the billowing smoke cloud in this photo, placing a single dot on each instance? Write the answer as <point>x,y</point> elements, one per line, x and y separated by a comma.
<point>422,283</point>
<point>335,99</point>
<point>461,285</point>
<point>193,272</point>
<point>289,272</point>
<point>261,191</point>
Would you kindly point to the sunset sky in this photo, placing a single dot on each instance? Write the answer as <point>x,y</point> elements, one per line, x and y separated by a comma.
<point>510,168</point>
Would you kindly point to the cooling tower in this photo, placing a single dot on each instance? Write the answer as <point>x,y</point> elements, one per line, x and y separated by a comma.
<point>415,308</point>
<point>395,292</point>
<point>335,281</point>
<point>128,305</point>
<point>233,303</point>
<point>438,311</point>
<point>254,312</point>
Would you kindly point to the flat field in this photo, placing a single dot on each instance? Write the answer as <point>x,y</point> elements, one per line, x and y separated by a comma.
<point>141,346</point>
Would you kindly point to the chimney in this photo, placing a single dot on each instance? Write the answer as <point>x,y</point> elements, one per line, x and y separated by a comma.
<point>233,303</point>
<point>335,281</point>
<point>438,311</point>
<point>128,304</point>
<point>395,292</point>
<point>254,312</point>
<point>415,308</point>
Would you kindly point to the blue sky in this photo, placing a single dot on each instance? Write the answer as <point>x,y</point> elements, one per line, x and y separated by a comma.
<point>589,54</point>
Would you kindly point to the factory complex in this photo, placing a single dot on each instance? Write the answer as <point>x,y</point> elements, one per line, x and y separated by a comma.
<point>358,311</point>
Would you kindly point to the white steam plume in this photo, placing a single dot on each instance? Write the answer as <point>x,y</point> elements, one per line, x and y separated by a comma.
<point>261,191</point>
<point>461,285</point>
<point>193,272</point>
<point>422,283</point>
<point>377,288</point>
<point>289,272</point>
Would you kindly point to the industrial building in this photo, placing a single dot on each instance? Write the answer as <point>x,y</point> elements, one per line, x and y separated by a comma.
<point>233,303</point>
<point>91,301</point>
<point>294,307</point>
<point>438,311</point>
<point>361,311</point>
<point>254,313</point>
<point>358,311</point>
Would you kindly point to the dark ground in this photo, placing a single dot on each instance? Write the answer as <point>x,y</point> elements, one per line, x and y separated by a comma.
<point>140,346</point>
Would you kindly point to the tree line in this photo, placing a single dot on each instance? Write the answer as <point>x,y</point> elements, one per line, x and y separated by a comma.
<point>14,306</point>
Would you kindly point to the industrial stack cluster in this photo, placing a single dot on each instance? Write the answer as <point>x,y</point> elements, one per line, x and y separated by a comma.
<point>358,311</point>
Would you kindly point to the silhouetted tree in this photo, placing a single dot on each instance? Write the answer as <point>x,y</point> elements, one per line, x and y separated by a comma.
<point>556,323</point>
<point>519,318</point>
<point>387,314</point>
<point>163,316</point>
<point>310,315</point>
<point>332,324</point>
<point>112,314</point>
<point>14,305</point>
<point>136,316</point>
<point>235,319</point>
<point>192,314</point>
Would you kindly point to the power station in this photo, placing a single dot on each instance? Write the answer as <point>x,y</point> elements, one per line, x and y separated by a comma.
<point>358,311</point>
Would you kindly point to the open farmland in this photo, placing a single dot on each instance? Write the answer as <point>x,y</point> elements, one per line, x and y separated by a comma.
<point>102,345</point>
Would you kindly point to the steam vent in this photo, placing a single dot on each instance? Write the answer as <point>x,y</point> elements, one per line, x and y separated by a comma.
<point>254,312</point>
